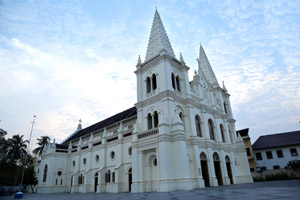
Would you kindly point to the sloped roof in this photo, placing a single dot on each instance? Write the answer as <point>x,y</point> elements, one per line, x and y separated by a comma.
<point>277,140</point>
<point>243,132</point>
<point>158,39</point>
<point>104,123</point>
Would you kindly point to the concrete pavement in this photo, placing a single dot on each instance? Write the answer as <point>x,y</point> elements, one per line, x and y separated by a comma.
<point>259,191</point>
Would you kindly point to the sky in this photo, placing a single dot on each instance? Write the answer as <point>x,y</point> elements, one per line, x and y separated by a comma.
<point>68,60</point>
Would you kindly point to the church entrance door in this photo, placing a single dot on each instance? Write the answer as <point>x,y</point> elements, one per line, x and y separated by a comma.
<point>204,169</point>
<point>228,166</point>
<point>129,179</point>
<point>96,182</point>
<point>218,168</point>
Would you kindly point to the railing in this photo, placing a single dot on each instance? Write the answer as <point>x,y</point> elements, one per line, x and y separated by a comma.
<point>148,133</point>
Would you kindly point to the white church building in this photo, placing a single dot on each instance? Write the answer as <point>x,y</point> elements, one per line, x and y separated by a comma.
<point>180,134</point>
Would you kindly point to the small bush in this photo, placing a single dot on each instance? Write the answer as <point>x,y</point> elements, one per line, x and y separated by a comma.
<point>258,179</point>
<point>293,164</point>
<point>277,176</point>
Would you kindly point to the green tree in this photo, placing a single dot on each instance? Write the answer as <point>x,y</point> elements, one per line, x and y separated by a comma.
<point>16,149</point>
<point>30,178</point>
<point>293,164</point>
<point>3,146</point>
<point>42,142</point>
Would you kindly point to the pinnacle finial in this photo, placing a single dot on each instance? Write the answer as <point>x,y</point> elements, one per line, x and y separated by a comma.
<point>224,88</point>
<point>139,60</point>
<point>79,127</point>
<point>181,58</point>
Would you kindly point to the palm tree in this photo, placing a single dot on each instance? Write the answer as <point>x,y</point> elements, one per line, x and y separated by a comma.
<point>16,148</point>
<point>42,142</point>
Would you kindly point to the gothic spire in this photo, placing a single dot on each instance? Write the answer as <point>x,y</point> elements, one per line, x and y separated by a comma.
<point>139,60</point>
<point>158,40</point>
<point>181,58</point>
<point>204,65</point>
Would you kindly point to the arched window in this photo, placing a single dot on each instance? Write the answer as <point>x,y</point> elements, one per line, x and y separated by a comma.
<point>227,159</point>
<point>155,119</point>
<point>177,83</point>
<point>216,157</point>
<point>222,132</point>
<point>108,176</point>
<point>211,129</point>
<point>149,119</point>
<point>229,132</point>
<point>181,116</point>
<point>173,81</point>
<point>225,109</point>
<point>198,126</point>
<point>154,86</point>
<point>45,173</point>
<point>203,156</point>
<point>148,85</point>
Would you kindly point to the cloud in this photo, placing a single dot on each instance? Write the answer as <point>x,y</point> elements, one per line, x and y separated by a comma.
<point>62,61</point>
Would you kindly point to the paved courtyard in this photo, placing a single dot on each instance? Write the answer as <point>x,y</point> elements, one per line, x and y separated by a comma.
<point>258,191</point>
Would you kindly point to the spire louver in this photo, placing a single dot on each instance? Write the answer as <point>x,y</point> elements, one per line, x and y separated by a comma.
<point>158,40</point>
<point>204,65</point>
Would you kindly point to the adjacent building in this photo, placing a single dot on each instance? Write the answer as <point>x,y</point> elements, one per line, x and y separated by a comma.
<point>276,150</point>
<point>180,134</point>
<point>244,133</point>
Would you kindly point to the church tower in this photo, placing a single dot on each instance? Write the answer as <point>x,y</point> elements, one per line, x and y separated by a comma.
<point>162,87</point>
<point>184,135</point>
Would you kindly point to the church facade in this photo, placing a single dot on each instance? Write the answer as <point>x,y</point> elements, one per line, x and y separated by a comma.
<point>180,134</point>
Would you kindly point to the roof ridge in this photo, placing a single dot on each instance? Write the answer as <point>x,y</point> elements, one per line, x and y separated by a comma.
<point>103,123</point>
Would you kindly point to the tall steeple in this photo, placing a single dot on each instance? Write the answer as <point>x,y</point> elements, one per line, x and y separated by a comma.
<point>158,40</point>
<point>204,65</point>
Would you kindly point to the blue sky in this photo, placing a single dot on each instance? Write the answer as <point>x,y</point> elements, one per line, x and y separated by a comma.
<point>66,60</point>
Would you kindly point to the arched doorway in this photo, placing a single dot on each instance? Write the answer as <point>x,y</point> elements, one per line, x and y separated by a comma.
<point>71,183</point>
<point>218,168</point>
<point>204,169</point>
<point>130,178</point>
<point>96,181</point>
<point>228,166</point>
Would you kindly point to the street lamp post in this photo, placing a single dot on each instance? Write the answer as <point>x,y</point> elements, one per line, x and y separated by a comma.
<point>34,117</point>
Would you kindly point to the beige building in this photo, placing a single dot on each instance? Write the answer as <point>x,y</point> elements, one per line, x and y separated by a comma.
<point>244,133</point>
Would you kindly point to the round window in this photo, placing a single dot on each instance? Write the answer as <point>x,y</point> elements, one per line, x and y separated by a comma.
<point>84,161</point>
<point>112,155</point>
<point>59,173</point>
<point>130,151</point>
<point>155,162</point>
<point>73,163</point>
<point>97,158</point>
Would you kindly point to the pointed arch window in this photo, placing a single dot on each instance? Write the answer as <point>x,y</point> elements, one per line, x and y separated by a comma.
<point>181,116</point>
<point>173,81</point>
<point>149,119</point>
<point>229,132</point>
<point>225,109</point>
<point>178,83</point>
<point>155,119</point>
<point>154,85</point>
<point>211,129</point>
<point>148,82</point>
<point>222,132</point>
<point>45,173</point>
<point>198,125</point>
